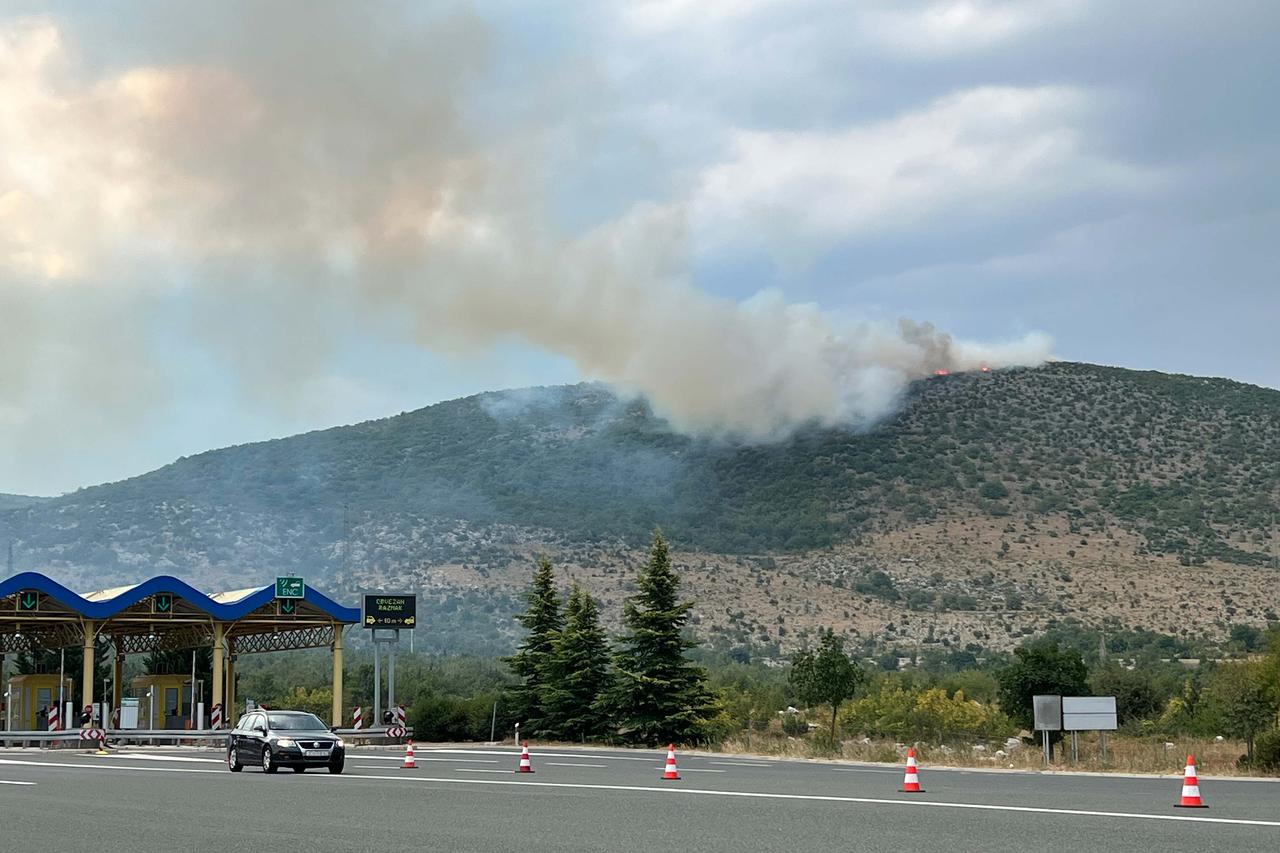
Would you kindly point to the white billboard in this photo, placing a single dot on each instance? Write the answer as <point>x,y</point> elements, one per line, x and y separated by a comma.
<point>1089,713</point>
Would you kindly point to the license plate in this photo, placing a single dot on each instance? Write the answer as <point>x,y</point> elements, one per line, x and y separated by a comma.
<point>316,753</point>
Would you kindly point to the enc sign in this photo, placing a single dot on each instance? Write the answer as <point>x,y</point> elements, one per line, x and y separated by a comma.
<point>290,587</point>
<point>390,611</point>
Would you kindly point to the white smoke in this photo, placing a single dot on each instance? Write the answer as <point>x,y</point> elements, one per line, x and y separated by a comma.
<point>316,173</point>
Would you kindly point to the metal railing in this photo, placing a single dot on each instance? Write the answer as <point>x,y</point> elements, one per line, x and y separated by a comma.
<point>7,738</point>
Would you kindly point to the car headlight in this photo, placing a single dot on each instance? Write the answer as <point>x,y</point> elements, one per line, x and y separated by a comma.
<point>286,742</point>
<point>339,743</point>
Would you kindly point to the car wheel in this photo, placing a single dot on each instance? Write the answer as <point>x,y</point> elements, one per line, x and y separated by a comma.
<point>233,760</point>
<point>336,767</point>
<point>299,769</point>
<point>268,766</point>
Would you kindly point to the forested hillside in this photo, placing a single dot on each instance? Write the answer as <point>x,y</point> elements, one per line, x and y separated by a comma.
<point>1190,465</point>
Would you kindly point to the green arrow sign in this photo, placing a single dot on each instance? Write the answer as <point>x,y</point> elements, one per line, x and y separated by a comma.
<point>163,602</point>
<point>29,601</point>
<point>290,587</point>
<point>288,606</point>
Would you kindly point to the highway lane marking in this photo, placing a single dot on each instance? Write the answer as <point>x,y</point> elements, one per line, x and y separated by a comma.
<point>820,798</point>
<point>419,757</point>
<point>90,766</point>
<point>141,756</point>
<point>739,764</point>
<point>569,764</point>
<point>14,782</point>
<point>466,770</point>
<point>864,770</point>
<point>695,770</point>
<point>537,754</point>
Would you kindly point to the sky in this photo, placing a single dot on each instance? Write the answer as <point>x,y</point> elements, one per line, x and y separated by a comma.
<point>222,223</point>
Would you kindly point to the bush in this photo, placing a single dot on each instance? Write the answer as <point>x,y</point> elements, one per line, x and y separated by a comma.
<point>1266,750</point>
<point>794,725</point>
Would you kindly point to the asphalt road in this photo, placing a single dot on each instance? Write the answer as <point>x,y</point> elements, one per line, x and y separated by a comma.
<point>600,800</point>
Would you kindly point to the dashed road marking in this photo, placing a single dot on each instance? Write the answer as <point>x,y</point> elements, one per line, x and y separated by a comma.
<point>569,764</point>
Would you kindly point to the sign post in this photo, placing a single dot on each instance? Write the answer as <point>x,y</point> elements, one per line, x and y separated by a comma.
<point>386,615</point>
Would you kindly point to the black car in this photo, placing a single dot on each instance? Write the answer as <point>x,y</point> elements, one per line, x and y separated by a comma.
<point>293,739</point>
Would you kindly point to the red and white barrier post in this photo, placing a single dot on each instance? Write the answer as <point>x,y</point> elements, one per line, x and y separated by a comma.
<point>357,719</point>
<point>215,716</point>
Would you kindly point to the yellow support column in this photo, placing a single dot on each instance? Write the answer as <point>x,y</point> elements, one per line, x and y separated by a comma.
<point>229,715</point>
<point>337,676</point>
<point>117,689</point>
<point>86,682</point>
<point>217,669</point>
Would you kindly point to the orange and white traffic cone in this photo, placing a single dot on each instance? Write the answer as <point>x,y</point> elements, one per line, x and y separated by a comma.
<point>525,765</point>
<point>671,772</point>
<point>911,782</point>
<point>1190,788</point>
<point>409,763</point>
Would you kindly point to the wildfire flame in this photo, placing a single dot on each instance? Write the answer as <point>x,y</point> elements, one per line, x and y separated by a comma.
<point>941,372</point>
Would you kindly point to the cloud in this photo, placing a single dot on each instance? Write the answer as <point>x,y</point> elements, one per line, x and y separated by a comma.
<point>980,151</point>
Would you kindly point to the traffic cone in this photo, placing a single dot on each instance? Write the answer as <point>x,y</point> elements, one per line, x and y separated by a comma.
<point>911,782</point>
<point>525,765</point>
<point>1190,788</point>
<point>671,772</point>
<point>409,763</point>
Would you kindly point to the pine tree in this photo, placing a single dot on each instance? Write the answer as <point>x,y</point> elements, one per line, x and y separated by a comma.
<point>579,673</point>
<point>660,695</point>
<point>533,658</point>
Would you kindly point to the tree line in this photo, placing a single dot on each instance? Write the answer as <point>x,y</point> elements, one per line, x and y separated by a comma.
<point>577,685</point>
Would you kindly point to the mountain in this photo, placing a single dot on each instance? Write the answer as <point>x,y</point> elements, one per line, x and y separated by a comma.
<point>19,501</point>
<point>1013,474</point>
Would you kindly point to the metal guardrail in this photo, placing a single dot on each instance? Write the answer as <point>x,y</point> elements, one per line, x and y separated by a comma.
<point>170,735</point>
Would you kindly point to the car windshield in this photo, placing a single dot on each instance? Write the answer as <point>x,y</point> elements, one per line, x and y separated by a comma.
<point>296,723</point>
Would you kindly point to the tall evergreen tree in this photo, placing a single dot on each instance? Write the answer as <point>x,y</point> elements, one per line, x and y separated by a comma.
<point>533,658</point>
<point>579,673</point>
<point>659,694</point>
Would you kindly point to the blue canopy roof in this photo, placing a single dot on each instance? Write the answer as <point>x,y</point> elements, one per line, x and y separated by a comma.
<point>104,605</point>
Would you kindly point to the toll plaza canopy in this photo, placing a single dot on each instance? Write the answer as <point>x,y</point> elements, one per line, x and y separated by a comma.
<point>165,613</point>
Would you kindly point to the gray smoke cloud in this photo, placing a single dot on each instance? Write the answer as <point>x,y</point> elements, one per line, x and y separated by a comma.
<point>297,176</point>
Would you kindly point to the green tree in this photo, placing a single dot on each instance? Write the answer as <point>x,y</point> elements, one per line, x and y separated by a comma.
<point>533,658</point>
<point>1040,668</point>
<point>1242,701</point>
<point>659,695</point>
<point>1137,697</point>
<point>579,672</point>
<point>827,677</point>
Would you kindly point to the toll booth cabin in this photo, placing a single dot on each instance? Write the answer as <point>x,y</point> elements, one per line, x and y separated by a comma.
<point>162,614</point>
<point>30,698</point>
<point>164,701</point>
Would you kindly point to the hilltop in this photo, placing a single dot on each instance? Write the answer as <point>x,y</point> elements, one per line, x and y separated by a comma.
<point>1060,470</point>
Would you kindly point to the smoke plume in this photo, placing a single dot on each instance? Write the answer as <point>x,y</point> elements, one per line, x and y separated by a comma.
<point>305,176</point>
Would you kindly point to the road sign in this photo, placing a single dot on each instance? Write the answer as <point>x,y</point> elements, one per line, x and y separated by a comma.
<point>396,731</point>
<point>1089,713</point>
<point>290,587</point>
<point>162,602</point>
<point>288,606</point>
<point>91,734</point>
<point>1048,713</point>
<point>390,611</point>
<point>28,601</point>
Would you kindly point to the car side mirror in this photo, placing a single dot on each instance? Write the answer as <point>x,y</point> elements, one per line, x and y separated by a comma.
<point>262,730</point>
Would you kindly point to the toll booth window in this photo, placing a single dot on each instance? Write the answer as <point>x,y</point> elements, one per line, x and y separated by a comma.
<point>186,701</point>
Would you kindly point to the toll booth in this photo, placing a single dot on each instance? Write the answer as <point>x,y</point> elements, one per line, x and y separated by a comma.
<point>32,696</point>
<point>171,697</point>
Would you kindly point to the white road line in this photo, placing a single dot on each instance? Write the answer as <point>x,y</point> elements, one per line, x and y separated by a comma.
<point>14,782</point>
<point>536,754</point>
<point>142,756</point>
<point>695,770</point>
<point>824,799</point>
<point>739,764</point>
<point>864,770</point>
<point>464,770</point>
<point>420,757</point>
<point>88,766</point>
<point>568,764</point>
